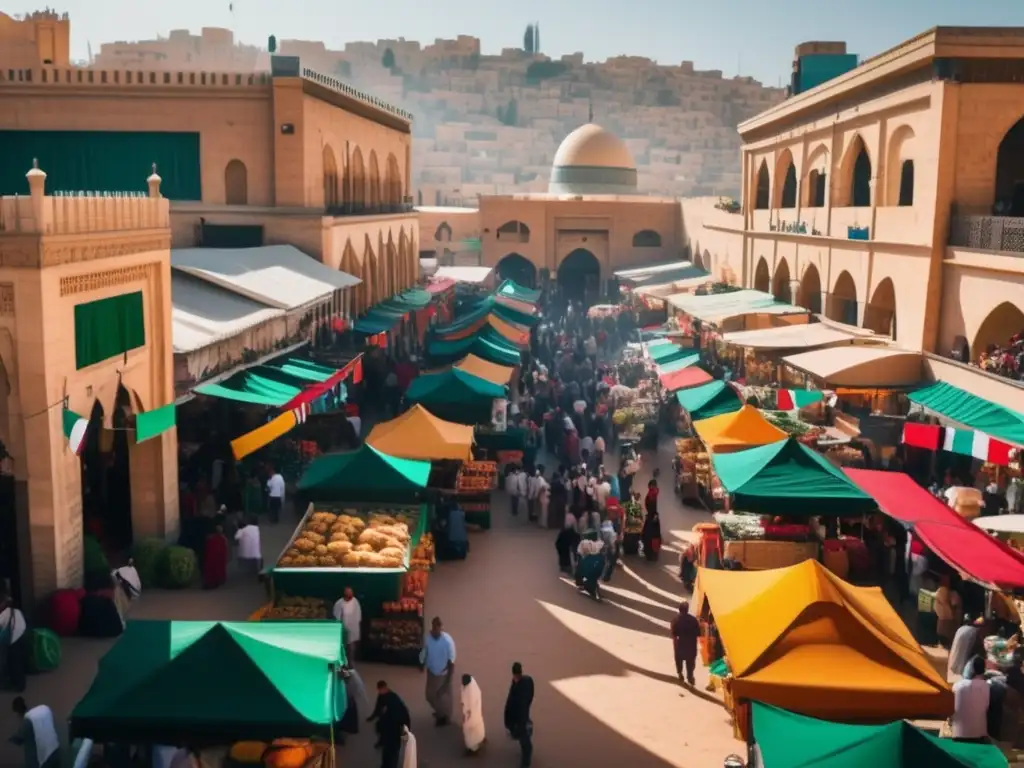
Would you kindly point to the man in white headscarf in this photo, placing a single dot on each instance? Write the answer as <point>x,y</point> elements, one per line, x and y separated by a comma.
<point>472,715</point>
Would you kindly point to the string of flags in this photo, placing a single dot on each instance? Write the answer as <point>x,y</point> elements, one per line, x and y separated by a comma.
<point>148,424</point>
<point>966,442</point>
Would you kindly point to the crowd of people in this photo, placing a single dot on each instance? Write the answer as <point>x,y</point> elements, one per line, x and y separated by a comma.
<point>1005,360</point>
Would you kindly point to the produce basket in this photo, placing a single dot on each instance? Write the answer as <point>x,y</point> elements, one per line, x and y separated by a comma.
<point>473,487</point>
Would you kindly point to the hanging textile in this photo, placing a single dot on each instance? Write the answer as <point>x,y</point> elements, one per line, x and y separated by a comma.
<point>925,436</point>
<point>251,442</point>
<point>967,442</point>
<point>154,423</point>
<point>315,391</point>
<point>75,429</point>
<point>794,399</point>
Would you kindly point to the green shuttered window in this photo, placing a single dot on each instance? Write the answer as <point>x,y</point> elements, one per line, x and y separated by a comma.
<point>108,327</point>
<point>102,161</point>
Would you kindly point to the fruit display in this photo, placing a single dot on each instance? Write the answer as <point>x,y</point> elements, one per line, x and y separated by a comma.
<point>423,557</point>
<point>297,609</point>
<point>347,540</point>
<point>396,634</point>
<point>414,588</point>
<point>634,513</point>
<point>477,477</point>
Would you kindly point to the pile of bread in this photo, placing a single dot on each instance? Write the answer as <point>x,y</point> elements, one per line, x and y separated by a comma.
<point>349,541</point>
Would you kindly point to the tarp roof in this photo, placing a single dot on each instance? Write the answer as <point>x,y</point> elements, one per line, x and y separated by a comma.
<point>745,428</point>
<point>788,740</point>
<point>684,378</point>
<point>972,411</point>
<point>439,285</point>
<point>279,276</point>
<point>720,306</point>
<point>802,639</point>
<point>678,364</point>
<point>365,474</point>
<point>496,374</point>
<point>707,400</point>
<point>804,336</point>
<point>860,366</point>
<point>441,352</point>
<point>464,274</point>
<point>272,384</point>
<point>509,332</point>
<point>203,314</point>
<point>961,544</point>
<point>665,274</point>
<point>203,682</point>
<point>788,478</point>
<point>455,395</point>
<point>512,290</point>
<point>419,434</point>
<point>678,287</point>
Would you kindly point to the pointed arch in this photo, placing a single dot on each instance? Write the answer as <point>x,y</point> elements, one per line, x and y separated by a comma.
<point>350,264</point>
<point>394,175</point>
<point>856,177</point>
<point>513,232</point>
<point>647,238</point>
<point>810,290</point>
<point>815,178</point>
<point>330,178</point>
<point>236,183</point>
<point>1009,187</point>
<point>762,188</point>
<point>1005,320</point>
<point>697,260</point>
<point>358,181</point>
<point>762,276</point>
<point>443,233</point>
<point>373,182</point>
<point>880,311</point>
<point>899,176</point>
<point>785,181</point>
<point>514,266</point>
<point>706,261</point>
<point>782,288</point>
<point>842,302</point>
<point>370,273</point>
<point>403,260</point>
<point>392,266</point>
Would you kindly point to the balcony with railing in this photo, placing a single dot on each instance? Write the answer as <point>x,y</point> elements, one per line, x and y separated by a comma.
<point>989,233</point>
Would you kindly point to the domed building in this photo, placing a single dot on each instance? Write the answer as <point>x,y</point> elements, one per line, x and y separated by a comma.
<point>593,161</point>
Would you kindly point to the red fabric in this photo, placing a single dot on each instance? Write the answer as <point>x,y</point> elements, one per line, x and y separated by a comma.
<point>440,285</point>
<point>784,400</point>
<point>998,452</point>
<point>64,611</point>
<point>357,371</point>
<point>922,435</point>
<point>961,544</point>
<point>684,378</point>
<point>312,392</point>
<point>215,561</point>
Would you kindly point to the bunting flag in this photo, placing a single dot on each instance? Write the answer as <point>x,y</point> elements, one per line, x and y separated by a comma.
<point>794,399</point>
<point>357,371</point>
<point>75,429</point>
<point>301,413</point>
<point>155,422</point>
<point>977,444</point>
<point>251,442</point>
<point>927,436</point>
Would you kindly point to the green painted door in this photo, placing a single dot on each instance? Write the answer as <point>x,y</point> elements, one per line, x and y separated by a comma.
<point>102,161</point>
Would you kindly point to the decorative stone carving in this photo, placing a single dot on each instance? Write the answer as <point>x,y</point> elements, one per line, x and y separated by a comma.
<point>71,251</point>
<point>93,281</point>
<point>6,299</point>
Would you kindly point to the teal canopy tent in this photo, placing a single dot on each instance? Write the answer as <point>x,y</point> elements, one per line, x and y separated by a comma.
<point>454,395</point>
<point>972,411</point>
<point>364,475</point>
<point>513,290</point>
<point>493,351</point>
<point>707,400</point>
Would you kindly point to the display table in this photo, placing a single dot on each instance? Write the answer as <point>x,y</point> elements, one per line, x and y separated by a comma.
<point>761,555</point>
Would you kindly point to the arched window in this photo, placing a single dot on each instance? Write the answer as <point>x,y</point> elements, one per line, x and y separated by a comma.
<point>1009,193</point>
<point>860,191</point>
<point>907,183</point>
<point>236,183</point>
<point>330,178</point>
<point>514,231</point>
<point>647,238</point>
<point>789,188</point>
<point>762,194</point>
<point>443,233</point>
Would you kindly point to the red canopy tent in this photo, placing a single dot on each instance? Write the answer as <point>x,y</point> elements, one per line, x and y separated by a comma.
<point>684,378</point>
<point>960,543</point>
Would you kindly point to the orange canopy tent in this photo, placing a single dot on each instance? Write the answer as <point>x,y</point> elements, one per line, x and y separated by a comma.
<point>506,330</point>
<point>492,372</point>
<point>745,428</point>
<point>419,434</point>
<point>802,639</point>
<point>684,378</point>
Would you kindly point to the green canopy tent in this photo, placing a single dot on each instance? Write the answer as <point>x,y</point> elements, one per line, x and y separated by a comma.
<point>513,290</point>
<point>493,351</point>
<point>972,411</point>
<point>364,475</point>
<point>668,353</point>
<point>788,740</point>
<point>272,384</point>
<point>678,364</point>
<point>505,312</point>
<point>788,478</point>
<point>454,395</point>
<point>204,683</point>
<point>707,400</point>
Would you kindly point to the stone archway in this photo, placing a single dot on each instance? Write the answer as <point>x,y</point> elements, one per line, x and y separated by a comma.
<point>1005,320</point>
<point>518,269</point>
<point>762,277</point>
<point>330,178</point>
<point>782,288</point>
<point>810,290</point>
<point>236,183</point>
<point>880,312</point>
<point>106,476</point>
<point>842,301</point>
<point>697,261</point>
<point>579,276</point>
<point>1009,191</point>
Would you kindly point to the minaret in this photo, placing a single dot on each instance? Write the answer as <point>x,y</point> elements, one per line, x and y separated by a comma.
<point>590,116</point>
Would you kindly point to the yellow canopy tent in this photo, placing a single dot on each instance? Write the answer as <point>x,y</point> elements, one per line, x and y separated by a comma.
<point>802,639</point>
<point>745,428</point>
<point>509,331</point>
<point>492,372</point>
<point>419,434</point>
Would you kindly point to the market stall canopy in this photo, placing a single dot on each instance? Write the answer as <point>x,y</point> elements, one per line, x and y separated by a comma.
<point>510,289</point>
<point>746,428</point>
<point>363,475</point>
<point>721,306</point>
<point>203,314</point>
<point>788,478</point>
<point>678,364</point>
<point>442,352</point>
<point>280,276</point>
<point>490,325</point>
<point>471,275</point>
<point>804,336</point>
<point>204,683</point>
<point>962,407</point>
<point>860,366</point>
<point>707,400</point>
<point>802,639</point>
<point>788,740</point>
<point>419,434</point>
<point>667,272</point>
<point>665,352</point>
<point>665,291</point>
<point>496,374</point>
<point>456,395</point>
<point>1013,524</point>
<point>684,378</point>
<point>957,541</point>
<point>439,285</point>
<point>515,312</point>
<point>271,384</point>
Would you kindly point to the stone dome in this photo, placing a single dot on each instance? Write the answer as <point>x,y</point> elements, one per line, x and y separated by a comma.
<point>592,160</point>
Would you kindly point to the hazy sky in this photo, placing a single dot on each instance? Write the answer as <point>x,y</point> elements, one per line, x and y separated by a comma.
<point>752,37</point>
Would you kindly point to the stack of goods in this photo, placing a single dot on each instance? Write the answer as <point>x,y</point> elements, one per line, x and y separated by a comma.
<point>477,477</point>
<point>414,589</point>
<point>760,542</point>
<point>759,372</point>
<point>846,456</point>
<point>296,609</point>
<point>807,434</point>
<point>328,540</point>
<point>423,558</point>
<point>634,517</point>
<point>397,636</point>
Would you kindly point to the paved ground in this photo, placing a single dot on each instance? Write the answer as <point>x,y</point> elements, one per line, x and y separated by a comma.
<point>606,689</point>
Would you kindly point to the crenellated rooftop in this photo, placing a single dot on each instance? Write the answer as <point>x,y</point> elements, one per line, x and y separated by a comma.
<point>62,76</point>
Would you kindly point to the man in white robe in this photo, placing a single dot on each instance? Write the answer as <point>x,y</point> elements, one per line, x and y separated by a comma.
<point>472,715</point>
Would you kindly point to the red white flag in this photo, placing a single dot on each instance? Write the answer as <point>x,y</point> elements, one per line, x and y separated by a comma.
<point>925,436</point>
